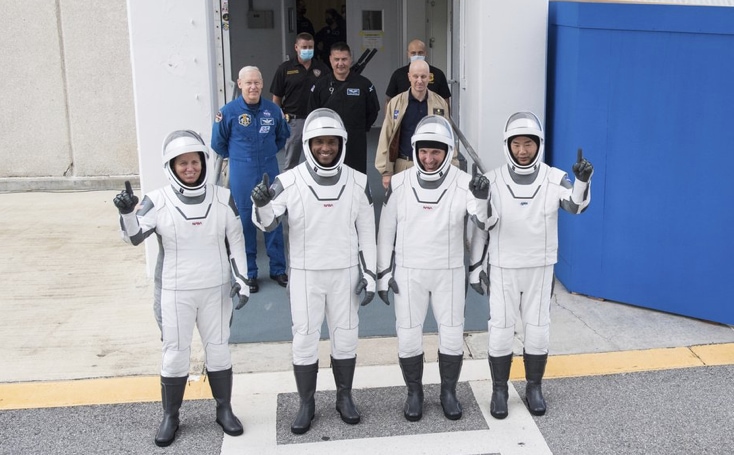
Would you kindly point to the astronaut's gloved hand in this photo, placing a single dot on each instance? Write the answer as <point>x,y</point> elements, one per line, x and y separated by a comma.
<point>368,287</point>
<point>262,194</point>
<point>479,186</point>
<point>126,201</point>
<point>582,169</point>
<point>478,280</point>
<point>243,297</point>
<point>391,284</point>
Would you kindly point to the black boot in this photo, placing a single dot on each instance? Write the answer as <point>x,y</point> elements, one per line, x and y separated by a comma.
<point>450,368</point>
<point>412,368</point>
<point>221,384</point>
<point>534,370</point>
<point>172,392</point>
<point>306,384</point>
<point>499,367</point>
<point>343,370</point>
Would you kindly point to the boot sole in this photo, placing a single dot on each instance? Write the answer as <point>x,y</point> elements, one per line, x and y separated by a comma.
<point>296,430</point>
<point>168,442</point>
<point>353,421</point>
<point>231,433</point>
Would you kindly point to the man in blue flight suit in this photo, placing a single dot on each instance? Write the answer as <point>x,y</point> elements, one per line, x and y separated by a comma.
<point>249,131</point>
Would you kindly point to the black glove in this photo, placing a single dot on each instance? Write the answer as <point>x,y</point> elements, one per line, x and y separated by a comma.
<point>368,295</point>
<point>261,194</point>
<point>126,201</point>
<point>385,295</point>
<point>479,186</point>
<point>236,292</point>
<point>582,169</point>
<point>478,286</point>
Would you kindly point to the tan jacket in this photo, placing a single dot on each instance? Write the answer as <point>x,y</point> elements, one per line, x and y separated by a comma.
<point>390,133</point>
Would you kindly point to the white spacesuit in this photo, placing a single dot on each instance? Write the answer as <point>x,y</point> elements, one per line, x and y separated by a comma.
<point>420,256</point>
<point>526,195</point>
<point>201,251</point>
<point>332,255</point>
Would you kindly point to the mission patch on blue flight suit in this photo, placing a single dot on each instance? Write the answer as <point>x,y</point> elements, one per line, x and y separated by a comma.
<point>245,119</point>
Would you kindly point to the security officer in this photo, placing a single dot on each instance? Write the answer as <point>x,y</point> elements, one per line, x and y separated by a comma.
<point>291,88</point>
<point>353,97</point>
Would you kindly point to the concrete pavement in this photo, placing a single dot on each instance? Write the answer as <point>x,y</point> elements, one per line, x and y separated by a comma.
<point>79,349</point>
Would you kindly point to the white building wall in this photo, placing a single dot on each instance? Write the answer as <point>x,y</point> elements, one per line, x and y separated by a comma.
<point>67,114</point>
<point>174,77</point>
<point>502,69</point>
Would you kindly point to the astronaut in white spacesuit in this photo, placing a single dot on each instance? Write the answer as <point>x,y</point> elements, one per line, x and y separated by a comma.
<point>332,256</point>
<point>201,253</point>
<point>420,256</point>
<point>526,195</point>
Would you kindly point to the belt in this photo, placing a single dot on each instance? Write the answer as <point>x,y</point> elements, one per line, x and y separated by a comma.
<point>289,117</point>
<point>405,157</point>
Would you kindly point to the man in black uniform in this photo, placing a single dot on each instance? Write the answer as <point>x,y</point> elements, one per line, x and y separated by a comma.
<point>399,81</point>
<point>353,97</point>
<point>303,24</point>
<point>291,89</point>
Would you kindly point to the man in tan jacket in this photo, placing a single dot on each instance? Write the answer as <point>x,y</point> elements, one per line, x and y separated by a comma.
<point>404,111</point>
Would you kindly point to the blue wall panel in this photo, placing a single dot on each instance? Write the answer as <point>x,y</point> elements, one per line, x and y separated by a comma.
<point>648,92</point>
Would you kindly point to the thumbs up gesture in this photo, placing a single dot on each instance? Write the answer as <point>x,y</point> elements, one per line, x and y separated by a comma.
<point>582,169</point>
<point>262,194</point>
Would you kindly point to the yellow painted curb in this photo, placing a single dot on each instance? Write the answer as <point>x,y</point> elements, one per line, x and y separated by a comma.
<point>138,389</point>
<point>715,354</point>
<point>594,364</point>
<point>26,395</point>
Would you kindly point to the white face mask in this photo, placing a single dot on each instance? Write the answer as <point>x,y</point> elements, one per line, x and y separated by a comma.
<point>417,57</point>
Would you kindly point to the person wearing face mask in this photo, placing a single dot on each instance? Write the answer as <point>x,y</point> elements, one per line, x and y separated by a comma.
<point>291,88</point>
<point>333,32</point>
<point>399,81</point>
<point>332,250</point>
<point>303,24</point>
<point>394,149</point>
<point>420,257</point>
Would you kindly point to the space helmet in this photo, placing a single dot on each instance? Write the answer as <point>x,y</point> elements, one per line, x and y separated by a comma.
<point>524,124</point>
<point>433,131</point>
<point>176,144</point>
<point>324,122</point>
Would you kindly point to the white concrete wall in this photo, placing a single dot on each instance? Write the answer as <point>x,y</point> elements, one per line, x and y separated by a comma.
<point>173,64</point>
<point>502,70</point>
<point>67,92</point>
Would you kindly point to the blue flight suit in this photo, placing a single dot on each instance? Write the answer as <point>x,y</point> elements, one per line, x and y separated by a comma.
<point>250,136</point>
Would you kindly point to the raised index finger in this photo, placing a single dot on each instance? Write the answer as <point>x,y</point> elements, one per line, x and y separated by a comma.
<point>128,187</point>
<point>580,155</point>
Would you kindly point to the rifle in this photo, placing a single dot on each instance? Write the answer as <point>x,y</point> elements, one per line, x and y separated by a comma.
<point>363,60</point>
